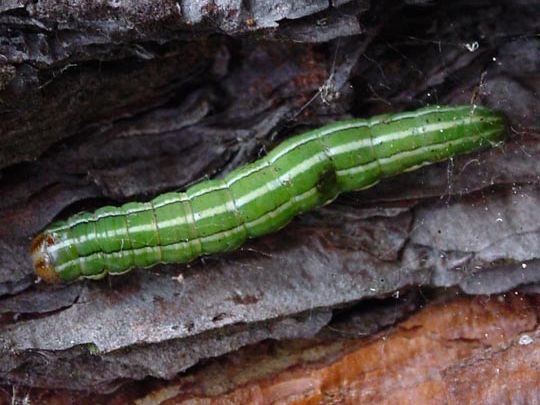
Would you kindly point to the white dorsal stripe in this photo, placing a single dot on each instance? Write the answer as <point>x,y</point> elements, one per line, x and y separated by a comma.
<point>305,195</point>
<point>302,167</point>
<point>185,244</point>
<point>358,123</point>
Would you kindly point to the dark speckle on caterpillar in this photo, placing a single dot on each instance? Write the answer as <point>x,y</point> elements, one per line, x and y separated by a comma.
<point>303,172</point>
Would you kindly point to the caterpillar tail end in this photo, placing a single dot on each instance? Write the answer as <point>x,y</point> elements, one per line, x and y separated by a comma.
<point>42,261</point>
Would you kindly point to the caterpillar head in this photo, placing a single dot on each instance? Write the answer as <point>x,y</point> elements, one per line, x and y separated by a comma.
<point>43,263</point>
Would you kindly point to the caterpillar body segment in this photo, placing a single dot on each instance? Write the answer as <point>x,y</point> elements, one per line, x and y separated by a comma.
<point>303,172</point>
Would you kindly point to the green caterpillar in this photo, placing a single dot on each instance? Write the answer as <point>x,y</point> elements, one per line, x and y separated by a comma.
<point>303,172</point>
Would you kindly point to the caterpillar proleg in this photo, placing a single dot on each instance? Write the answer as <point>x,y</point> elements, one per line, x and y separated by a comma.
<point>303,172</point>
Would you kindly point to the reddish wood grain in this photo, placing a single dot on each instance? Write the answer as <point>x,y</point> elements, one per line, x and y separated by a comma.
<point>471,350</point>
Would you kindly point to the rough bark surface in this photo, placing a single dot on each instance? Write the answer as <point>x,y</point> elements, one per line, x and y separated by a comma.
<point>107,101</point>
<point>482,350</point>
<point>459,350</point>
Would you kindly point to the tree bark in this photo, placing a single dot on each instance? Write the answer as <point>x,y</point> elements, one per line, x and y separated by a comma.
<point>108,101</point>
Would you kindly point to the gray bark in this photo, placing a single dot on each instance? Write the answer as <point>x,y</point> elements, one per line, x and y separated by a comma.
<point>106,101</point>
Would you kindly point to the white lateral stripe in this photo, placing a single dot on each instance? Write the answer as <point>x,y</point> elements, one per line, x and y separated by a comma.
<point>284,206</point>
<point>287,176</point>
<point>357,123</point>
<point>349,147</point>
<point>184,244</point>
<point>257,221</point>
<point>423,149</point>
<point>358,169</point>
<point>276,183</point>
